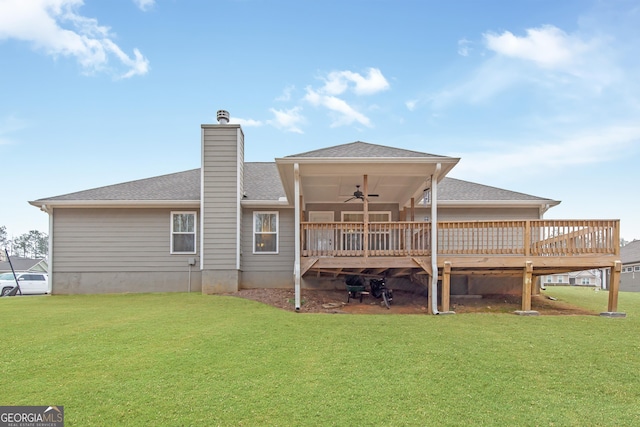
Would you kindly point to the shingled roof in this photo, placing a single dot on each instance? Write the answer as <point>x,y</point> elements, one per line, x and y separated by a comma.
<point>175,186</point>
<point>630,253</point>
<point>361,149</point>
<point>456,189</point>
<point>261,182</point>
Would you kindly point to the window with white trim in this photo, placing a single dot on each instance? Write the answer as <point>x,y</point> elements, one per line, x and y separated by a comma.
<point>636,268</point>
<point>265,232</point>
<point>586,281</point>
<point>183,232</point>
<point>378,233</point>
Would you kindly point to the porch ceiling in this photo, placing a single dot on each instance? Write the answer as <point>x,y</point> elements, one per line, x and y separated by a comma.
<point>395,180</point>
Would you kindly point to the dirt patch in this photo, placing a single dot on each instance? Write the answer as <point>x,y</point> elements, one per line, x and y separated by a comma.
<point>335,301</point>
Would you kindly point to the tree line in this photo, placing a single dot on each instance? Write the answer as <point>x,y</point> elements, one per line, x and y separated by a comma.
<point>34,244</point>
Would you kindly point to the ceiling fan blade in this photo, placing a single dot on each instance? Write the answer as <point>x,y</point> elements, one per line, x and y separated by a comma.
<point>348,200</point>
<point>374,195</point>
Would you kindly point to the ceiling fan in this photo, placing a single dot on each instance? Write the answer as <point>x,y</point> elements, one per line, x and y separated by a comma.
<point>359,195</point>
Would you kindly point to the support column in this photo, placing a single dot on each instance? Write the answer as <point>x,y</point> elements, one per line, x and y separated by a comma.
<point>298,207</point>
<point>614,285</point>
<point>527,277</point>
<point>434,239</point>
<point>446,288</point>
<point>365,236</point>
<point>430,296</point>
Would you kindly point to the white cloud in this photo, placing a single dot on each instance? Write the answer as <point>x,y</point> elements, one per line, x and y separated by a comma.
<point>337,82</point>
<point>565,66</point>
<point>411,104</point>
<point>547,46</point>
<point>343,113</point>
<point>286,94</point>
<point>342,83</point>
<point>288,120</point>
<point>245,122</point>
<point>463,47</point>
<point>145,5</point>
<point>490,78</point>
<point>56,27</point>
<point>595,145</point>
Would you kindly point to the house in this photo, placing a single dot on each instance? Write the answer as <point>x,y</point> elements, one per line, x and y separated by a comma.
<point>39,265</point>
<point>574,278</point>
<point>630,276</point>
<point>307,220</point>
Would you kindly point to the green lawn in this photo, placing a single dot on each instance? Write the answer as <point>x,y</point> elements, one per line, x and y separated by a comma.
<point>189,359</point>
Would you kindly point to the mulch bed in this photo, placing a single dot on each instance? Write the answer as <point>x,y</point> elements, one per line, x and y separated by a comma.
<point>335,301</point>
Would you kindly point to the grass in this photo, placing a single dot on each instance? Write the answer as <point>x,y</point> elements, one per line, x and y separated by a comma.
<point>194,360</point>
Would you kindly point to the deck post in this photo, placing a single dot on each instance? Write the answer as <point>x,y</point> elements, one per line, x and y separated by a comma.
<point>365,237</point>
<point>413,209</point>
<point>527,280</point>
<point>614,285</point>
<point>446,288</point>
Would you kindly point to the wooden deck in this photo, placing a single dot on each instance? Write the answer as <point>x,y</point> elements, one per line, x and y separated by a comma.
<point>523,248</point>
<point>528,238</point>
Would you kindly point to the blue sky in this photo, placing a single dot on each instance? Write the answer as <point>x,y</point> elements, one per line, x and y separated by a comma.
<point>536,96</point>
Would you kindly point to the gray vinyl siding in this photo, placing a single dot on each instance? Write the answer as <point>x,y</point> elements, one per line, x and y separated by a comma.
<point>480,214</point>
<point>221,170</point>
<point>283,260</point>
<point>115,240</point>
<point>354,206</point>
<point>630,281</point>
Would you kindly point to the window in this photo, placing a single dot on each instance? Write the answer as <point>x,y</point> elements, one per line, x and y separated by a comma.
<point>559,279</point>
<point>183,232</point>
<point>628,269</point>
<point>586,281</point>
<point>32,277</point>
<point>548,279</point>
<point>636,268</point>
<point>265,232</point>
<point>378,235</point>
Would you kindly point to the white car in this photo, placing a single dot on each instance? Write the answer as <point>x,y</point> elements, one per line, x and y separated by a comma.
<point>30,283</point>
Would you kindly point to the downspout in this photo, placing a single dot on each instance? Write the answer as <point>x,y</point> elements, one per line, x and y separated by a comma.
<point>434,239</point>
<point>49,212</point>
<point>296,238</point>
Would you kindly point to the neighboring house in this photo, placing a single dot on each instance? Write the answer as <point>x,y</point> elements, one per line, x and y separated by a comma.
<point>630,277</point>
<point>24,264</point>
<point>307,220</point>
<point>574,278</point>
<point>560,279</point>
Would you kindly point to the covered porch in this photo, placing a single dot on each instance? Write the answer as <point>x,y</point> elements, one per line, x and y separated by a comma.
<point>373,231</point>
<point>525,249</point>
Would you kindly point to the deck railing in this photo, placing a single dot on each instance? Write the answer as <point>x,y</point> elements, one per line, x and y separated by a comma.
<point>525,237</point>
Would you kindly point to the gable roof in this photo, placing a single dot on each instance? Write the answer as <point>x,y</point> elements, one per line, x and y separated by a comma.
<point>456,189</point>
<point>361,149</point>
<point>262,182</point>
<point>176,186</point>
<point>630,253</point>
<point>23,264</point>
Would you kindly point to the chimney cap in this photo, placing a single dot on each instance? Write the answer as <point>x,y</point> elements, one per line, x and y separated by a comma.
<point>223,117</point>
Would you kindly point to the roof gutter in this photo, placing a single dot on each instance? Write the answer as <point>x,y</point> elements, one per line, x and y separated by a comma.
<point>434,239</point>
<point>49,211</point>
<point>114,203</point>
<point>266,204</point>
